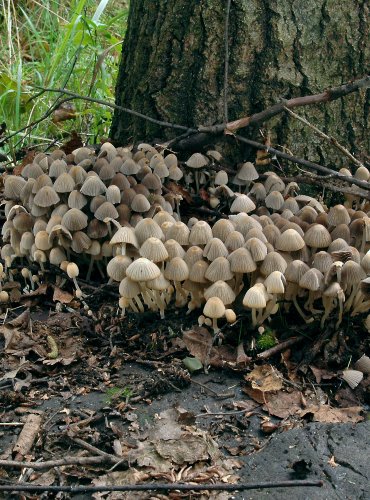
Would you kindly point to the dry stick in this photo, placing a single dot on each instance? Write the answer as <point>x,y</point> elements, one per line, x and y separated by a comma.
<point>163,487</point>
<point>58,463</point>
<point>226,67</point>
<point>305,163</point>
<point>327,96</point>
<point>324,136</point>
<point>278,348</point>
<point>93,449</point>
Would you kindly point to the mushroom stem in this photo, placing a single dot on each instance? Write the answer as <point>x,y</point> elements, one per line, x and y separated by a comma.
<point>328,307</point>
<point>340,315</point>
<point>215,326</point>
<point>254,317</point>
<point>269,308</point>
<point>139,304</point>
<point>350,299</point>
<point>300,312</point>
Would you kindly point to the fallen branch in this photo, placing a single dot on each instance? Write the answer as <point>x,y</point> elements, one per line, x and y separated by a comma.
<point>163,487</point>
<point>101,459</point>
<point>278,348</point>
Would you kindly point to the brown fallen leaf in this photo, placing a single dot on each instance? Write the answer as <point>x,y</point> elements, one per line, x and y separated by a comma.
<point>284,404</point>
<point>27,436</point>
<point>265,378</point>
<point>199,342</point>
<point>66,111</point>
<point>327,414</point>
<point>321,374</point>
<point>62,296</point>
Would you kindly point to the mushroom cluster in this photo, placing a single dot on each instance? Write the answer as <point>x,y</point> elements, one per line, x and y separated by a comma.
<point>56,208</point>
<point>277,248</point>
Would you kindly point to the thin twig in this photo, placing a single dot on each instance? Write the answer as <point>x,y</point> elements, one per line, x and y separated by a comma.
<point>226,67</point>
<point>278,348</point>
<point>222,395</point>
<point>101,459</point>
<point>324,136</point>
<point>93,449</point>
<point>163,487</point>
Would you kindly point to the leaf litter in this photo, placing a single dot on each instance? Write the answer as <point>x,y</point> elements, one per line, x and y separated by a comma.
<point>176,443</point>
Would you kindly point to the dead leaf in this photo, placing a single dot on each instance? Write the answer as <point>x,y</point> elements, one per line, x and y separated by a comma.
<point>284,404</point>
<point>327,414</point>
<point>199,342</point>
<point>62,296</point>
<point>21,321</point>
<point>241,357</point>
<point>41,290</point>
<point>177,189</point>
<point>321,374</point>
<point>66,111</point>
<point>265,378</point>
<point>27,435</point>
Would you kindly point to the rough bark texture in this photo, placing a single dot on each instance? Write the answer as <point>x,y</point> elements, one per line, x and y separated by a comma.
<point>172,68</point>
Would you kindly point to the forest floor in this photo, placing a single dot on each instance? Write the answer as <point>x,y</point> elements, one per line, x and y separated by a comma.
<point>118,390</point>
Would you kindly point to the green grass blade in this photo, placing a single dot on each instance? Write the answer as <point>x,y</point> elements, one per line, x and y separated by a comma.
<point>99,11</point>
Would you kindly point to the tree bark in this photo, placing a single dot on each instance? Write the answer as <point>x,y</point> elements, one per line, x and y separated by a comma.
<point>172,68</point>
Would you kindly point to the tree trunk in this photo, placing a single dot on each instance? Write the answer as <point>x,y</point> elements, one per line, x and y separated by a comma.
<point>172,69</point>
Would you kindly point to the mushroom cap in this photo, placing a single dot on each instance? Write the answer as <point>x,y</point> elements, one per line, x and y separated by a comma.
<point>129,167</point>
<point>42,241</point>
<point>171,160</point>
<point>219,269</point>
<point>174,249</point>
<point>78,174</point>
<point>140,203</point>
<point>352,273</point>
<point>106,210</point>
<point>274,183</point>
<point>72,270</point>
<point>129,288</point>
<point>32,171</point>
<point>221,178</point>
<point>197,160</point>
<point>176,270</point>
<point>317,236</point>
<point>222,228</point>
<point>257,249</point>
<point>154,250</point>
<point>146,228</point>
<point>97,229</point>
<point>215,248</point>
<point>124,235</point>
<point>76,199</point>
<point>113,194</point>
<point>152,181</point>
<point>175,173</point>
<point>93,186</point>
<point>338,215</point>
<point>275,282</point>
<point>295,270</point>
<point>241,261</point>
<point>81,154</point>
<point>13,186</point>
<point>274,200</point>
<point>214,308</point>
<point>289,241</point>
<point>247,172</point>
<point>23,222</point>
<point>192,255</point>
<point>160,283</point>
<point>80,242</point>
<point>221,290</point>
<point>142,269</point>
<point>179,232</point>
<point>242,203</point>
<point>322,261</point>
<point>234,241</point>
<point>74,220</point>
<point>64,183</point>
<point>200,233</point>
<point>43,180</point>
<point>197,271</point>
<point>120,181</point>
<point>255,298</point>
<point>312,280</point>
<point>116,268</point>
<point>273,262</point>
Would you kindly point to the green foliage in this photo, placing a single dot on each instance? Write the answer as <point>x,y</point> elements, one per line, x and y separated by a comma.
<point>74,44</point>
<point>118,393</point>
<point>266,340</point>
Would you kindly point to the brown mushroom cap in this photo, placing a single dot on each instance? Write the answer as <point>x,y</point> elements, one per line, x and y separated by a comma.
<point>140,203</point>
<point>273,262</point>
<point>147,228</point>
<point>76,199</point>
<point>338,215</point>
<point>241,261</point>
<point>106,210</point>
<point>74,220</point>
<point>64,183</point>
<point>116,268</point>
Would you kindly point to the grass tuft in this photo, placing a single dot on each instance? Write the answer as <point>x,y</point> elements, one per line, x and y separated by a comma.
<point>74,44</point>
